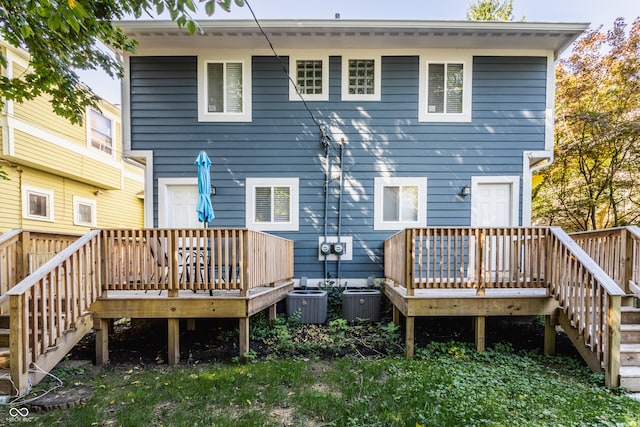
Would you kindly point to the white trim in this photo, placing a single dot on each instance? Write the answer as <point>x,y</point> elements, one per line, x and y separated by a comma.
<point>26,189</point>
<point>306,56</point>
<point>163,196</point>
<point>203,114</point>
<point>89,129</point>
<point>292,183</point>
<point>514,180</point>
<point>377,75</point>
<point>379,183</point>
<point>82,150</point>
<point>77,201</point>
<point>445,58</point>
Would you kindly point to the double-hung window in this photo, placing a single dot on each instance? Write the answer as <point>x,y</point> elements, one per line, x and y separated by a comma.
<point>84,211</point>
<point>310,76</point>
<point>361,78</point>
<point>445,89</point>
<point>399,203</point>
<point>37,203</point>
<point>100,132</point>
<point>272,204</point>
<point>224,90</point>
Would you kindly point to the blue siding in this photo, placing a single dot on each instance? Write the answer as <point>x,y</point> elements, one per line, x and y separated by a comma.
<point>282,141</point>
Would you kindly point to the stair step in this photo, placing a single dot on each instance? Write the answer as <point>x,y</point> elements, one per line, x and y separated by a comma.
<point>630,315</point>
<point>630,377</point>
<point>630,334</point>
<point>630,354</point>
<point>4,337</point>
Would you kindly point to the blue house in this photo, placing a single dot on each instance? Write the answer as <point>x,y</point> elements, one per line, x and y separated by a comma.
<point>345,131</point>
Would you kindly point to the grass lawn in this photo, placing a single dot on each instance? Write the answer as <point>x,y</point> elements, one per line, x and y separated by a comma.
<point>447,384</point>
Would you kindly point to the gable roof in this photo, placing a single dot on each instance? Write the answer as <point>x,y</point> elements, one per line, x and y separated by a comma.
<point>158,35</point>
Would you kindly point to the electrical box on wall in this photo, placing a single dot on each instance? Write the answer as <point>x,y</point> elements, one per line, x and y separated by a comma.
<point>334,249</point>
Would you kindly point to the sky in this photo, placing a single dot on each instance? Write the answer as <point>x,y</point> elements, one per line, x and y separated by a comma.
<point>595,12</point>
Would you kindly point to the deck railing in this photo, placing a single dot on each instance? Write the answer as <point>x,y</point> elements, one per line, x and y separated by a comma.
<point>617,252</point>
<point>194,259</point>
<point>523,257</point>
<point>48,305</point>
<point>22,252</point>
<point>466,257</point>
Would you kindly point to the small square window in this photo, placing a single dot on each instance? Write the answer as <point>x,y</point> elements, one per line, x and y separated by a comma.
<point>84,212</point>
<point>361,79</point>
<point>37,203</point>
<point>309,78</point>
<point>100,131</point>
<point>272,204</point>
<point>399,203</point>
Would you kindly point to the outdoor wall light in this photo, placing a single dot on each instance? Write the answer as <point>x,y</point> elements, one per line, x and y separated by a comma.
<point>465,191</point>
<point>213,191</point>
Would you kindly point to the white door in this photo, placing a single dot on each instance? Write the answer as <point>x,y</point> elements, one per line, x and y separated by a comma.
<point>180,207</point>
<point>495,204</point>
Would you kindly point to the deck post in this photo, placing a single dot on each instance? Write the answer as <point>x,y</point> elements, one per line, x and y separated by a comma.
<point>396,316</point>
<point>480,323</point>
<point>173,352</point>
<point>626,252</point>
<point>101,327</point>
<point>17,338</point>
<point>549,335</point>
<point>409,337</point>
<point>22,253</point>
<point>244,336</point>
<point>408,261</point>
<point>272,313</point>
<point>612,367</point>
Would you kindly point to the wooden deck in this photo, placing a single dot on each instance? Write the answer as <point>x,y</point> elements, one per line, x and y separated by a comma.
<point>150,273</point>
<point>480,272</point>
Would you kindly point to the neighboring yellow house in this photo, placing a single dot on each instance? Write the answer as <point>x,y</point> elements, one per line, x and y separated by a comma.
<point>64,177</point>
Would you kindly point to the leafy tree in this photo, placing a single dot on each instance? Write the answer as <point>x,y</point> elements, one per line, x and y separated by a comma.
<point>60,36</point>
<point>593,182</point>
<point>490,10</point>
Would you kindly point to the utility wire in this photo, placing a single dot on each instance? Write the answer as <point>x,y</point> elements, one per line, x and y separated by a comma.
<point>324,138</point>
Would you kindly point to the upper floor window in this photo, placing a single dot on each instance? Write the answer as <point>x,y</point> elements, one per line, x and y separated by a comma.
<point>224,90</point>
<point>399,203</point>
<point>311,78</point>
<point>37,203</point>
<point>100,132</point>
<point>84,211</point>
<point>361,78</point>
<point>272,204</point>
<point>445,89</point>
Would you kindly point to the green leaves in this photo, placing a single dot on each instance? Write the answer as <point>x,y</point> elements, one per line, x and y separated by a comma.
<point>61,37</point>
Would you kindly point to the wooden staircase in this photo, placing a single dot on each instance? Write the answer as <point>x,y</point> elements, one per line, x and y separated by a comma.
<point>5,384</point>
<point>630,348</point>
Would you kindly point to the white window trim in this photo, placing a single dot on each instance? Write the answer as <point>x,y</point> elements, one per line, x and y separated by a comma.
<point>377,76</point>
<point>113,133</point>
<point>467,63</point>
<point>76,214</point>
<point>26,189</point>
<point>380,183</point>
<point>293,94</point>
<point>252,183</point>
<point>206,116</point>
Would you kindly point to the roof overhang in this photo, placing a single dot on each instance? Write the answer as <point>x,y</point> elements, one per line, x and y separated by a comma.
<point>158,35</point>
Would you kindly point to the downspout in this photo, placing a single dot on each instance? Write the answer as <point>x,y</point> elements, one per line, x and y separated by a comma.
<point>341,144</point>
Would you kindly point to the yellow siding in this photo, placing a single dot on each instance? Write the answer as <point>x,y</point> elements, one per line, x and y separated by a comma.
<point>39,153</point>
<point>114,208</point>
<point>10,205</point>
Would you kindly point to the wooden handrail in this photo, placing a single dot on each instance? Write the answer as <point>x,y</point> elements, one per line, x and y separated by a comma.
<point>50,302</point>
